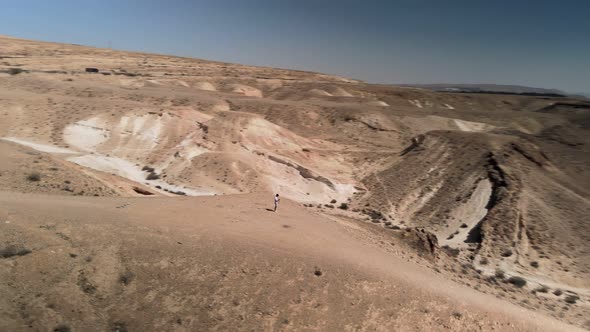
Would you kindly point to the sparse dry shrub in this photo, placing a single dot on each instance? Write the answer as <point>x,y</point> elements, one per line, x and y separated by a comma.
<point>571,299</point>
<point>152,176</point>
<point>454,252</point>
<point>506,253</point>
<point>517,281</point>
<point>34,177</point>
<point>15,71</point>
<point>542,289</point>
<point>12,250</point>
<point>119,326</point>
<point>62,328</point>
<point>317,272</point>
<point>126,277</point>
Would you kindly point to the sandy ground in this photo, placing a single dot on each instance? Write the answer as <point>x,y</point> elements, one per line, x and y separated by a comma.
<point>220,263</point>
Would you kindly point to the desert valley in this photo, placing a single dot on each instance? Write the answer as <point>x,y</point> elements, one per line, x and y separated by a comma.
<point>136,194</point>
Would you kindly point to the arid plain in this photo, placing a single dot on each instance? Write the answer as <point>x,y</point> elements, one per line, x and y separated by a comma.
<point>139,198</point>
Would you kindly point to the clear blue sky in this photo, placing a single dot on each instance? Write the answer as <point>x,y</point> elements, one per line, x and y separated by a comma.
<point>538,43</point>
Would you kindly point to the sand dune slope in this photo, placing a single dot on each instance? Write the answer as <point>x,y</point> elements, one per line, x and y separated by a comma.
<point>219,263</point>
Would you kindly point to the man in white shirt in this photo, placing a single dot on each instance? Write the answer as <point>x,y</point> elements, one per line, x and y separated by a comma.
<point>277,200</point>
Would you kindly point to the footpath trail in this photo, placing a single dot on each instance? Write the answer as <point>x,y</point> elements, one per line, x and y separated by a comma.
<point>223,262</point>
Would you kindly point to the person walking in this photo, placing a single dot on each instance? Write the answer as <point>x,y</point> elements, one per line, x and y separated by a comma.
<point>277,200</point>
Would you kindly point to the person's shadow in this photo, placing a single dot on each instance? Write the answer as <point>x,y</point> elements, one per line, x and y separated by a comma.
<point>271,210</point>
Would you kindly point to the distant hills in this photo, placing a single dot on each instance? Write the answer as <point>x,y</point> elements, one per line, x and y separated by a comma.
<point>490,88</point>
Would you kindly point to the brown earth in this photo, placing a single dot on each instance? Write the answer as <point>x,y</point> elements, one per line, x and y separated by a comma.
<point>220,263</point>
<point>420,210</point>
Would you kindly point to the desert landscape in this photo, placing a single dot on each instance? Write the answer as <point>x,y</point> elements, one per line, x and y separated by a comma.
<point>136,194</point>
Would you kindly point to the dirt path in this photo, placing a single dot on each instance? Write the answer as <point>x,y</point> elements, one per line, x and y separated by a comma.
<point>217,263</point>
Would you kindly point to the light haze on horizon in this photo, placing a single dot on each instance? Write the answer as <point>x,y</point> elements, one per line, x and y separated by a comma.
<point>535,43</point>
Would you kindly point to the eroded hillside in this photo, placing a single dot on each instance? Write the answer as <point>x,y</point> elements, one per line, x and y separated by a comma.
<point>503,182</point>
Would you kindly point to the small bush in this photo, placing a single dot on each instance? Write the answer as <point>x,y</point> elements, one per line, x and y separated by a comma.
<point>205,128</point>
<point>86,286</point>
<point>517,281</point>
<point>571,299</point>
<point>148,169</point>
<point>333,201</point>
<point>483,261</point>
<point>152,176</point>
<point>507,253</point>
<point>535,264</point>
<point>454,252</point>
<point>499,274</point>
<point>34,177</point>
<point>317,272</point>
<point>119,327</point>
<point>126,277</point>
<point>142,191</point>
<point>375,215</point>
<point>15,71</point>
<point>13,250</point>
<point>557,292</point>
<point>343,206</point>
<point>463,225</point>
<point>542,289</point>
<point>62,328</point>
